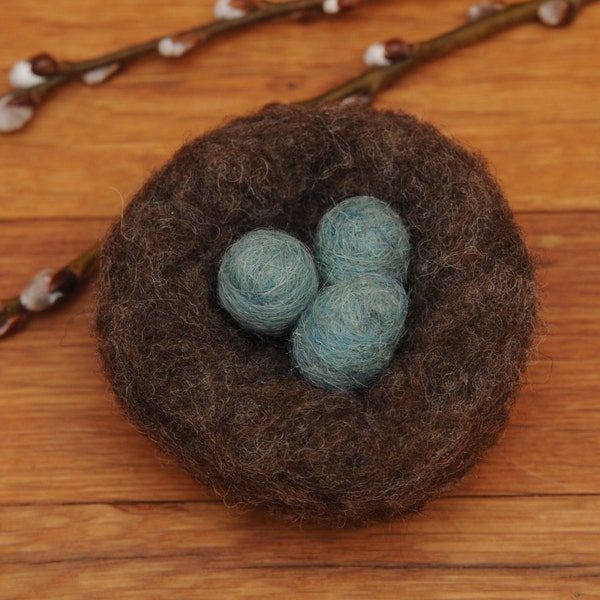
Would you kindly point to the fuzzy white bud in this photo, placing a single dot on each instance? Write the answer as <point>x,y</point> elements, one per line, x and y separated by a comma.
<point>374,56</point>
<point>170,48</point>
<point>224,10</point>
<point>484,9</point>
<point>555,12</point>
<point>13,116</point>
<point>331,7</point>
<point>37,296</point>
<point>99,75</point>
<point>477,11</point>
<point>22,75</point>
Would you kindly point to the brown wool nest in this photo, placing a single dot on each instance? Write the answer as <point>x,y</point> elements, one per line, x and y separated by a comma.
<point>229,405</point>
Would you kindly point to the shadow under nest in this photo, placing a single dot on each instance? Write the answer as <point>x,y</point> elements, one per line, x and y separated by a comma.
<point>229,405</point>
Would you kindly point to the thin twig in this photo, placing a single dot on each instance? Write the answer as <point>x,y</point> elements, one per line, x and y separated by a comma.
<point>403,58</point>
<point>47,74</point>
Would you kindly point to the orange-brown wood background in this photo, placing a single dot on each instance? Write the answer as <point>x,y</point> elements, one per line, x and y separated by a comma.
<point>90,509</point>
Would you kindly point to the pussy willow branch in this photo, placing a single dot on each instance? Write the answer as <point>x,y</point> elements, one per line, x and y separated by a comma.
<point>55,74</point>
<point>366,86</point>
<point>14,312</point>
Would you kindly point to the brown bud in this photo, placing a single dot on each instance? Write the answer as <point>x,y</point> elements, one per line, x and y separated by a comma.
<point>556,13</point>
<point>63,281</point>
<point>396,49</point>
<point>44,65</point>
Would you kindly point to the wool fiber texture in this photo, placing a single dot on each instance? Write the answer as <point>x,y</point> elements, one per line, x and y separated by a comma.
<point>229,405</point>
<point>361,235</point>
<point>266,279</point>
<point>349,333</point>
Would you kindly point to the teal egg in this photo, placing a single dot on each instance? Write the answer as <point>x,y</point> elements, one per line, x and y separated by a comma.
<point>361,235</point>
<point>266,279</point>
<point>348,335</point>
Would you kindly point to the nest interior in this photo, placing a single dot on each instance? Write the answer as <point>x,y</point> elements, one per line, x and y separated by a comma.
<point>228,404</point>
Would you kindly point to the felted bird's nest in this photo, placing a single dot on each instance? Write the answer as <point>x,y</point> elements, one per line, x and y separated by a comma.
<point>229,405</point>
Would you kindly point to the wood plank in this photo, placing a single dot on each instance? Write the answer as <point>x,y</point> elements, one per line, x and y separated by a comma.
<point>457,543</point>
<point>188,578</point>
<point>457,532</point>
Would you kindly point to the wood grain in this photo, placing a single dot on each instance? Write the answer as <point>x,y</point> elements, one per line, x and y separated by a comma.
<point>90,509</point>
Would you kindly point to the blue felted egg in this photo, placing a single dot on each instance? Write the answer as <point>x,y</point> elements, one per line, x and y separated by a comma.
<point>349,333</point>
<point>266,279</point>
<point>361,235</point>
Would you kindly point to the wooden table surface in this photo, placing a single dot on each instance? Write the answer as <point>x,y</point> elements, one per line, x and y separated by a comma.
<point>90,509</point>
